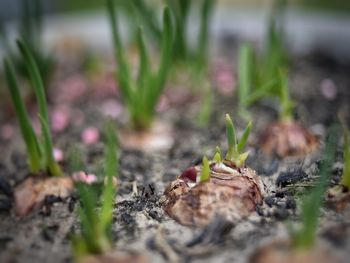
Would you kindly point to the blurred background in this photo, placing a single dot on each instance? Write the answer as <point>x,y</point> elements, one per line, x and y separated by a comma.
<point>320,25</point>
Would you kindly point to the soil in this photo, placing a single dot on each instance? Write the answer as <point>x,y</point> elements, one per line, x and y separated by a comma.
<point>140,224</point>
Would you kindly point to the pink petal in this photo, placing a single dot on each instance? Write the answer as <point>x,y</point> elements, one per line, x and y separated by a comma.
<point>90,135</point>
<point>112,108</point>
<point>60,119</point>
<point>328,89</point>
<point>7,131</point>
<point>58,154</point>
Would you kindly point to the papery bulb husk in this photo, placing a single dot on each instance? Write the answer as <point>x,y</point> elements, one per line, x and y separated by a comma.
<point>232,194</point>
<point>287,139</point>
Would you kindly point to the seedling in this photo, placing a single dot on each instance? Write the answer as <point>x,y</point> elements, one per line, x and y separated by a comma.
<point>267,76</point>
<point>40,151</point>
<point>96,222</point>
<point>30,30</point>
<point>224,187</point>
<point>141,95</point>
<point>180,10</point>
<point>235,152</point>
<point>304,238</point>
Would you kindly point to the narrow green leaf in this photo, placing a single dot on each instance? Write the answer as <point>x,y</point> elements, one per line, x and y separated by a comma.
<point>243,141</point>
<point>231,138</point>
<point>240,160</point>
<point>206,11</point>
<point>148,16</point>
<point>51,163</point>
<point>124,76</point>
<point>245,74</point>
<point>286,104</point>
<point>36,79</point>
<point>305,237</point>
<point>111,164</point>
<point>205,173</point>
<point>206,108</point>
<point>158,84</point>
<point>145,68</point>
<point>23,118</point>
<point>88,217</point>
<point>346,159</point>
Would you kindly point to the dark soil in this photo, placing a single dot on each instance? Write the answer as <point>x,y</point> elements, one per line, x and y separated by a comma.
<point>141,225</point>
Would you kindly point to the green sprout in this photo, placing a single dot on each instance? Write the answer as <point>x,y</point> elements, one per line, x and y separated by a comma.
<point>30,30</point>
<point>345,180</point>
<point>40,152</point>
<point>235,152</point>
<point>267,76</point>
<point>304,238</point>
<point>180,10</point>
<point>217,156</point>
<point>141,95</point>
<point>96,223</point>
<point>205,173</point>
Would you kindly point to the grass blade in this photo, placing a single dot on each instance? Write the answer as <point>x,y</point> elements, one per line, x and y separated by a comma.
<point>111,164</point>
<point>245,74</point>
<point>164,65</point>
<point>124,76</point>
<point>206,12</point>
<point>231,138</point>
<point>149,17</point>
<point>24,121</point>
<point>243,141</point>
<point>50,161</point>
<point>144,60</point>
<point>35,77</point>
<point>311,204</point>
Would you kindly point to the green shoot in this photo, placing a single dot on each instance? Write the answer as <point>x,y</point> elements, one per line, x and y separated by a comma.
<point>267,76</point>
<point>27,131</point>
<point>141,95</point>
<point>96,226</point>
<point>346,159</point>
<point>217,156</point>
<point>205,173</point>
<point>245,77</point>
<point>40,157</point>
<point>206,107</point>
<point>196,58</point>
<point>286,104</point>
<point>304,238</point>
<point>235,148</point>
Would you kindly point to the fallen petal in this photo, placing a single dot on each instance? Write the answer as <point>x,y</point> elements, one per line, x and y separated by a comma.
<point>90,135</point>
